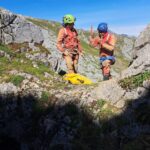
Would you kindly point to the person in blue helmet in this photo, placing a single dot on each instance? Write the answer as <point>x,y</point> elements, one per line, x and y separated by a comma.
<point>105,41</point>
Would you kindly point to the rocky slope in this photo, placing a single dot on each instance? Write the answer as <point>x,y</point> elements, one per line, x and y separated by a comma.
<point>19,29</point>
<point>41,111</point>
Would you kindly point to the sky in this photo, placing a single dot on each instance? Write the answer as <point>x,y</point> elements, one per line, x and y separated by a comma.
<point>123,16</point>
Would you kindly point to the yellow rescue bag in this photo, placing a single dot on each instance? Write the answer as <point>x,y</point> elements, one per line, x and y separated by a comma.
<point>77,79</point>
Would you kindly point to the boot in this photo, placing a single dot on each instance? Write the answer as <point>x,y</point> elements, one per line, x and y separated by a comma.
<point>105,77</point>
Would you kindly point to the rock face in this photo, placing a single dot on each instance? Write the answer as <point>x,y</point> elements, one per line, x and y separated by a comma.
<point>109,91</point>
<point>15,28</point>
<point>127,49</point>
<point>7,89</point>
<point>112,92</point>
<point>141,61</point>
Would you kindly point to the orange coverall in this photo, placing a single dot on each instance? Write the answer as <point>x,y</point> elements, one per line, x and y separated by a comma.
<point>106,44</point>
<point>68,41</point>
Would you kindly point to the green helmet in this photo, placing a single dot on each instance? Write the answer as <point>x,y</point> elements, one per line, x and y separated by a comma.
<point>68,19</point>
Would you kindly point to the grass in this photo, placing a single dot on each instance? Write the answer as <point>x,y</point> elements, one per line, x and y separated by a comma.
<point>3,63</point>
<point>5,49</point>
<point>100,103</point>
<point>22,64</point>
<point>45,96</point>
<point>16,80</point>
<point>26,66</point>
<point>134,81</point>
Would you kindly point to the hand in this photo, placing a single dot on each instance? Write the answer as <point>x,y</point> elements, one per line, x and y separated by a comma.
<point>66,52</point>
<point>81,54</point>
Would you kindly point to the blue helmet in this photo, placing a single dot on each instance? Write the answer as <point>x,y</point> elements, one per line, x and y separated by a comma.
<point>102,27</point>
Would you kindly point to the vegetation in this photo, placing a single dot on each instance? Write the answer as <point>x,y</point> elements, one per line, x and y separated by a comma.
<point>101,103</point>
<point>4,48</point>
<point>134,81</point>
<point>16,80</point>
<point>22,64</point>
<point>45,96</point>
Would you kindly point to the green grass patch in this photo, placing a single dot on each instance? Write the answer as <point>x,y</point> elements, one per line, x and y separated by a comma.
<point>3,65</point>
<point>100,103</point>
<point>45,96</point>
<point>5,48</point>
<point>134,81</point>
<point>26,66</point>
<point>16,80</point>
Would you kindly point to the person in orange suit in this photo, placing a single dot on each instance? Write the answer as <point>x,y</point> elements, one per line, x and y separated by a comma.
<point>106,43</point>
<point>69,44</point>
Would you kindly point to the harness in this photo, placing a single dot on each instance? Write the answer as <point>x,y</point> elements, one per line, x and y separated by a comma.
<point>103,58</point>
<point>71,40</point>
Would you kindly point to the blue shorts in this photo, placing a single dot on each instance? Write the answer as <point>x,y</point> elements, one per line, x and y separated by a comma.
<point>103,58</point>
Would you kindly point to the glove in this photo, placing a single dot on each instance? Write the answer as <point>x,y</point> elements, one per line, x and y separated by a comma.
<point>81,54</point>
<point>66,53</point>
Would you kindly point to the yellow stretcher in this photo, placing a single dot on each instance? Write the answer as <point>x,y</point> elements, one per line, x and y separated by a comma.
<point>77,79</point>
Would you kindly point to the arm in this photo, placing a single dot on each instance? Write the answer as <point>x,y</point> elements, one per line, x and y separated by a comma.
<point>60,40</point>
<point>94,41</point>
<point>110,46</point>
<point>79,47</point>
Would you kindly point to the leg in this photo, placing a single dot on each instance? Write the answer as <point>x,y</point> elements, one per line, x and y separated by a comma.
<point>75,63</point>
<point>69,63</point>
<point>106,69</point>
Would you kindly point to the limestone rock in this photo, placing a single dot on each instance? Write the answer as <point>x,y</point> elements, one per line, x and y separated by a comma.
<point>141,61</point>
<point>8,88</point>
<point>143,38</point>
<point>146,84</point>
<point>128,47</point>
<point>110,91</point>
